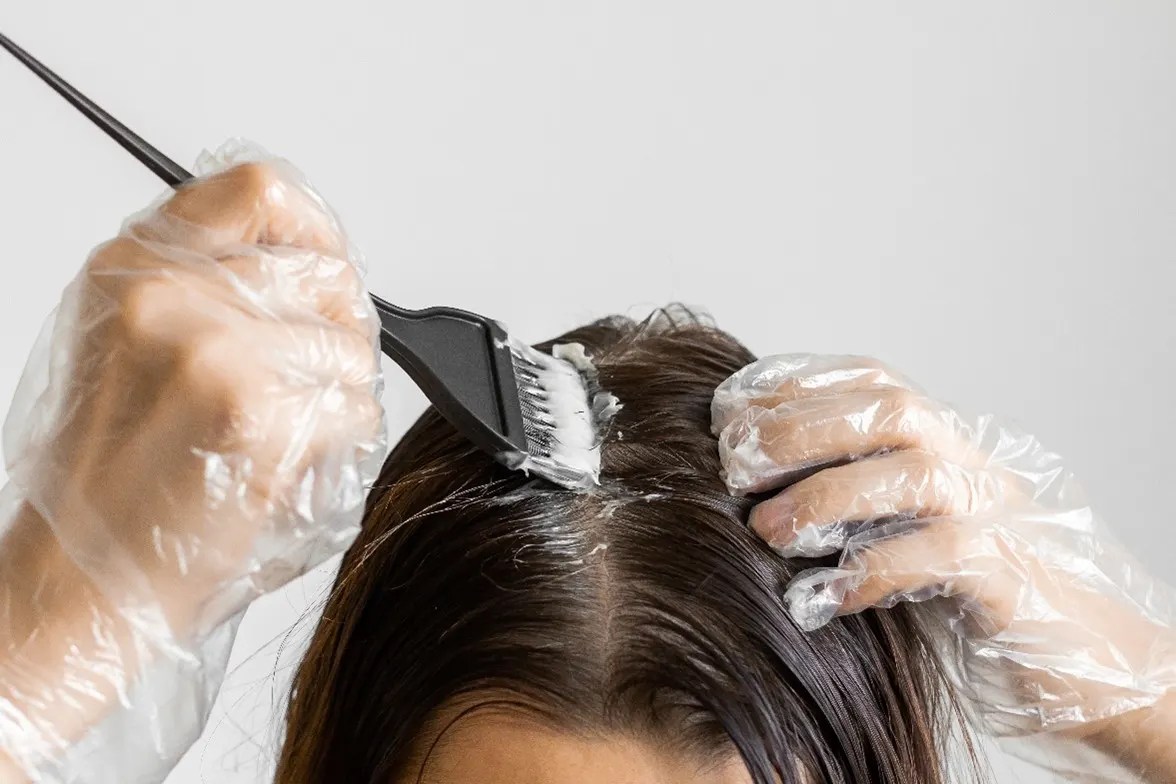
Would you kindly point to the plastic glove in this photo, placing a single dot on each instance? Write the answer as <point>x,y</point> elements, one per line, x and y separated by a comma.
<point>199,426</point>
<point>1056,626</point>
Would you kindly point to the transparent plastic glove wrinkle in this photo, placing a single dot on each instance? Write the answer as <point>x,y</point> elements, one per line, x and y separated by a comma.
<point>198,424</point>
<point>1053,625</point>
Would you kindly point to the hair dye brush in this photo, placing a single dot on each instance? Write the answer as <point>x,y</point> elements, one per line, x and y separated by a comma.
<point>530,410</point>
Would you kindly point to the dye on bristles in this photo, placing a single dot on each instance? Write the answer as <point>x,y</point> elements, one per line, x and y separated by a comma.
<point>564,412</point>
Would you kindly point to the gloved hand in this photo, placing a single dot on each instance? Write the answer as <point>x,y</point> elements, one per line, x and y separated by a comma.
<point>199,427</point>
<point>1056,626</point>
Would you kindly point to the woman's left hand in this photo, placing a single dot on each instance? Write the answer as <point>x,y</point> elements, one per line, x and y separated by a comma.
<point>1057,625</point>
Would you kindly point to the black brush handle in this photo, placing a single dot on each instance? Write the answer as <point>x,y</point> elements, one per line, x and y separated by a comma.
<point>165,168</point>
<point>462,362</point>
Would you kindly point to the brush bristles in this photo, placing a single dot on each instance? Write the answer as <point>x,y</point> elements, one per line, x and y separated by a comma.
<point>562,443</point>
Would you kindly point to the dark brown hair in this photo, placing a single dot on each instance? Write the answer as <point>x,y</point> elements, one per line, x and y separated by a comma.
<point>645,607</point>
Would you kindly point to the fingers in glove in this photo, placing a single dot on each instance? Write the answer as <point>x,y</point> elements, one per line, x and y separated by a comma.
<point>968,558</point>
<point>280,282</point>
<point>818,515</point>
<point>296,356</point>
<point>249,204</point>
<point>786,378</point>
<point>767,448</point>
<point>268,454</point>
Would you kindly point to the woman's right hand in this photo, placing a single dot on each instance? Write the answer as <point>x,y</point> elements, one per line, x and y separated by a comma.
<point>215,409</point>
<point>203,427</point>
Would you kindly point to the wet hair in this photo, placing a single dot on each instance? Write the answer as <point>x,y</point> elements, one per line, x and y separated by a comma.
<point>645,608</point>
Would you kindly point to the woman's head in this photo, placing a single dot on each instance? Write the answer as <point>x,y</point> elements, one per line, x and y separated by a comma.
<point>487,627</point>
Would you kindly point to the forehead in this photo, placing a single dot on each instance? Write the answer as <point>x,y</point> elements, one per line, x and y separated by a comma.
<point>506,747</point>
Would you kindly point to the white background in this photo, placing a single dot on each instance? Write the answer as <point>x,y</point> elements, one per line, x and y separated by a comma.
<point>980,193</point>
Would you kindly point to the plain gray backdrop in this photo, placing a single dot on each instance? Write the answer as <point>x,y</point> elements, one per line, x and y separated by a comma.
<point>980,193</point>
